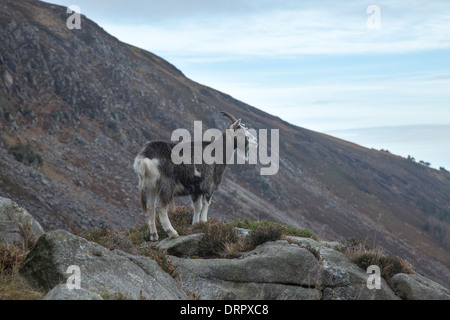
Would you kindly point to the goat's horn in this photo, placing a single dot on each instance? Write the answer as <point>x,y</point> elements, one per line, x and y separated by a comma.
<point>229,116</point>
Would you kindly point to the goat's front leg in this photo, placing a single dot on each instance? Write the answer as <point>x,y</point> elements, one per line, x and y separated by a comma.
<point>165,222</point>
<point>206,201</point>
<point>197,201</point>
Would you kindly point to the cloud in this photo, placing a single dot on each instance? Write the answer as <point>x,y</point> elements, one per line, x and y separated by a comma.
<point>232,29</point>
<point>351,101</point>
<point>320,29</point>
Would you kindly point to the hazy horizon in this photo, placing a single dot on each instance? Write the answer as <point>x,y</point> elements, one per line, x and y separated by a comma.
<point>397,140</point>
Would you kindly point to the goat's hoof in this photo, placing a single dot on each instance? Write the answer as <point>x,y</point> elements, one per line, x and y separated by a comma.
<point>175,235</point>
<point>154,237</point>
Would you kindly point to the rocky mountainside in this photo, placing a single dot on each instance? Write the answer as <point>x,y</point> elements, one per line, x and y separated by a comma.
<point>77,105</point>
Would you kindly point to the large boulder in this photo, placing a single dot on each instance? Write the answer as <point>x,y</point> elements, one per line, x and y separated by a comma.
<point>273,270</point>
<point>10,232</point>
<point>62,292</point>
<point>417,287</point>
<point>101,270</point>
<point>271,262</point>
<point>16,222</point>
<point>302,269</point>
<point>182,246</point>
<point>341,279</point>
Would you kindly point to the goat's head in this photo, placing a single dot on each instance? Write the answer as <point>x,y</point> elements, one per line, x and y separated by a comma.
<point>240,130</point>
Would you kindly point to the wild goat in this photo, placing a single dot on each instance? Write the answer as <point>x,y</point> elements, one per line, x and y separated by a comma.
<point>161,180</point>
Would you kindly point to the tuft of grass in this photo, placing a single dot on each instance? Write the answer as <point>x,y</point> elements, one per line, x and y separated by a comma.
<point>389,265</point>
<point>363,255</point>
<point>12,285</point>
<point>11,257</point>
<point>218,241</point>
<point>24,153</point>
<point>261,234</point>
<point>287,230</point>
<point>108,239</point>
<point>139,234</point>
<point>161,258</point>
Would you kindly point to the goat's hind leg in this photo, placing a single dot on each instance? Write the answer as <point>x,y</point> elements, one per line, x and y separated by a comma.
<point>151,211</point>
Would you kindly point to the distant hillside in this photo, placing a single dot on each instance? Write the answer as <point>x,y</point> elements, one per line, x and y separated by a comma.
<point>77,105</point>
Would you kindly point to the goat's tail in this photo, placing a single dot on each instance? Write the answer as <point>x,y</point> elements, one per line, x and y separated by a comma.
<point>148,174</point>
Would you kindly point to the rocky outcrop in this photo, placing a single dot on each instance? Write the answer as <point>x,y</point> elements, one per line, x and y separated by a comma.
<point>101,270</point>
<point>299,269</point>
<point>280,270</point>
<point>293,269</point>
<point>302,269</point>
<point>274,270</point>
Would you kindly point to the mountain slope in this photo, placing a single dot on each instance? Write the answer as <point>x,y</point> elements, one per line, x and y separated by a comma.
<point>77,105</point>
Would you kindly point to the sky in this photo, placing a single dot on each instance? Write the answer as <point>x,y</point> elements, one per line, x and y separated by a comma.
<point>376,73</point>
